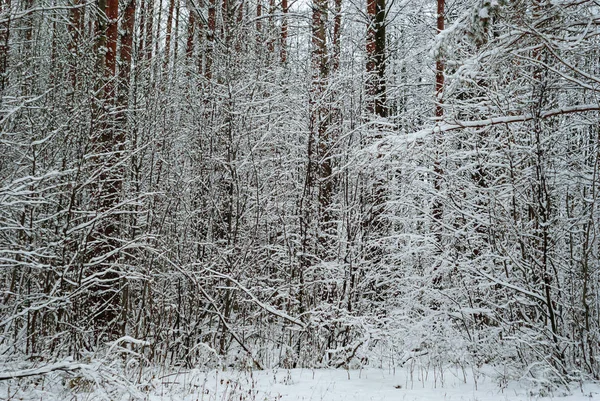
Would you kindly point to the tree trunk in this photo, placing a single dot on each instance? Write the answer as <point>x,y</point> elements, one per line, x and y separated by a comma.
<point>191,33</point>
<point>168,35</point>
<point>112,36</point>
<point>271,29</point>
<point>127,31</point>
<point>5,12</point>
<point>337,32</point>
<point>321,166</point>
<point>126,50</point>
<point>75,30</point>
<point>284,31</point>
<point>259,23</point>
<point>210,38</point>
<point>107,146</point>
<point>149,28</point>
<point>376,58</point>
<point>376,107</point>
<point>437,211</point>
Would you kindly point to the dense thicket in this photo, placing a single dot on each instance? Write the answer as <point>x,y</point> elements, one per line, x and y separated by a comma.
<point>302,184</point>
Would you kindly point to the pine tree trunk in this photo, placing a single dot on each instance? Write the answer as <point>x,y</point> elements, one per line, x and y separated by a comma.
<point>376,39</point>
<point>210,39</point>
<point>75,29</point>
<point>126,50</point>
<point>104,287</point>
<point>112,36</point>
<point>168,35</point>
<point>284,31</point>
<point>319,168</point>
<point>5,12</point>
<point>149,28</point>
<point>437,211</point>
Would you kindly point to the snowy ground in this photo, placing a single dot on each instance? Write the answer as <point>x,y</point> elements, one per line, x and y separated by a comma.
<point>282,385</point>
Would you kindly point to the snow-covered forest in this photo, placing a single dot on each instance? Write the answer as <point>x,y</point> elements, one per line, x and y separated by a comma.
<point>281,184</point>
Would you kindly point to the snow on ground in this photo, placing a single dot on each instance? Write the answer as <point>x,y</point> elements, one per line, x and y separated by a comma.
<point>383,385</point>
<point>283,385</point>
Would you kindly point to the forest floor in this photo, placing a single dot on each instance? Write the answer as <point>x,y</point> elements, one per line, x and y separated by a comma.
<point>284,385</point>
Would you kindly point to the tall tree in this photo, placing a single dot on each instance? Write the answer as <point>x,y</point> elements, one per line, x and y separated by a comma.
<point>437,208</point>
<point>376,38</point>
<point>107,147</point>
<point>5,12</point>
<point>75,30</point>
<point>168,35</point>
<point>284,31</point>
<point>210,39</point>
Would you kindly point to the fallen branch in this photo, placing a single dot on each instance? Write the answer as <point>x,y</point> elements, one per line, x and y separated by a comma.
<point>64,366</point>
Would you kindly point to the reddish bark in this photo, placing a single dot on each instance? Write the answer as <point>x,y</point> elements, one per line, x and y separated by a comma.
<point>319,53</point>
<point>284,31</point>
<point>194,29</point>
<point>227,14</point>
<point>108,143</point>
<point>191,33</point>
<point>321,167</point>
<point>210,37</point>
<point>149,28</point>
<point>437,211</point>
<point>239,20</point>
<point>127,30</point>
<point>319,66</point>
<point>337,31</point>
<point>271,41</point>
<point>168,34</point>
<point>112,36</point>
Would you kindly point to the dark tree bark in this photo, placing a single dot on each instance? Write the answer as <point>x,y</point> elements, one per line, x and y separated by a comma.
<point>284,31</point>
<point>125,64</point>
<point>195,34</point>
<point>5,11</point>
<point>168,35</point>
<point>148,18</point>
<point>107,146</point>
<point>319,157</point>
<point>259,23</point>
<point>75,29</point>
<point>210,38</point>
<point>112,37</point>
<point>126,49</point>
<point>271,29</point>
<point>376,39</point>
<point>191,34</point>
<point>373,225</point>
<point>337,32</point>
<point>437,210</point>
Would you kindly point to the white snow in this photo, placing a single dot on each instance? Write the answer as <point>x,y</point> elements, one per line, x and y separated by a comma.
<point>405,384</point>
